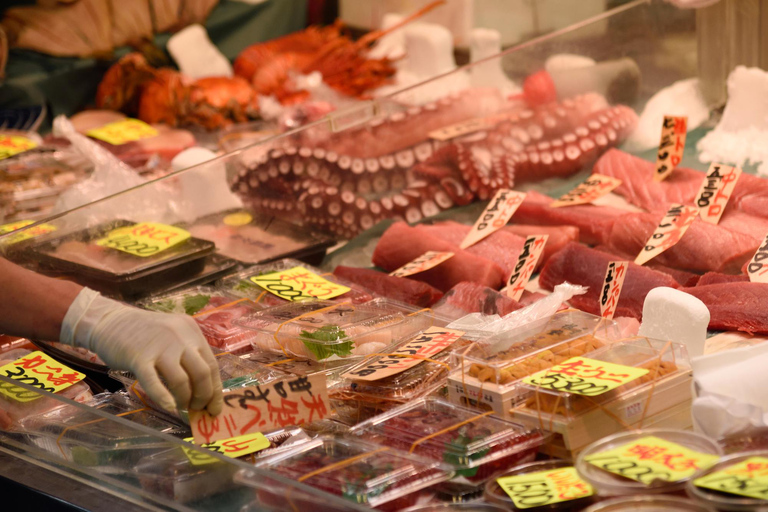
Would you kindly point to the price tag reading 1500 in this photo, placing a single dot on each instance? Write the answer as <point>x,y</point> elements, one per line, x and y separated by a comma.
<point>144,239</point>
<point>298,283</point>
<point>531,490</point>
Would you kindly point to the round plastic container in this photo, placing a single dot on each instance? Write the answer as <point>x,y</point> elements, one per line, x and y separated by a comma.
<point>495,494</point>
<point>608,484</point>
<point>749,440</point>
<point>458,507</point>
<point>716,500</point>
<point>647,504</point>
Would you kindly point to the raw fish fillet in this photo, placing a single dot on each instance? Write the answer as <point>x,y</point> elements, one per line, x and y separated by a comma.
<point>735,306</point>
<point>468,297</point>
<point>403,289</point>
<point>401,244</point>
<point>559,237</point>
<point>683,278</point>
<point>500,247</point>
<point>751,195</point>
<point>594,222</point>
<point>703,248</point>
<point>579,264</point>
<point>717,278</point>
<point>741,222</point>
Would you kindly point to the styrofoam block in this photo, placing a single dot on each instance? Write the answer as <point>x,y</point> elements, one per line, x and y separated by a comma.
<point>196,55</point>
<point>205,189</point>
<point>486,43</point>
<point>670,314</point>
<point>392,45</point>
<point>429,50</point>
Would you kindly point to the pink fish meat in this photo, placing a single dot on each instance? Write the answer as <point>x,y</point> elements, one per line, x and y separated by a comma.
<point>683,277</point>
<point>718,278</point>
<point>468,297</point>
<point>403,289</point>
<point>735,306</point>
<point>559,237</point>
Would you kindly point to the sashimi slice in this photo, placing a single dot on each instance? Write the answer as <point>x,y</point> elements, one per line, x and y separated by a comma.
<point>751,195</point>
<point>704,247</point>
<point>683,277</point>
<point>401,244</point>
<point>559,237</point>
<point>718,278</point>
<point>468,297</point>
<point>403,289</point>
<point>735,306</point>
<point>594,222</point>
<point>579,264</point>
<point>742,222</point>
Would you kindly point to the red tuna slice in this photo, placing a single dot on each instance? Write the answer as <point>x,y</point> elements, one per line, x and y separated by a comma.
<point>683,277</point>
<point>559,237</point>
<point>500,247</point>
<point>402,244</point>
<point>638,186</point>
<point>468,297</point>
<point>579,264</point>
<point>751,195</point>
<point>403,289</point>
<point>718,278</point>
<point>703,248</point>
<point>594,222</point>
<point>741,222</point>
<point>735,306</point>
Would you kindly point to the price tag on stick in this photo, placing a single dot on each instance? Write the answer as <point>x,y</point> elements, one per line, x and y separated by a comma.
<point>671,147</point>
<point>298,283</point>
<point>612,284</point>
<point>424,262</point>
<point>234,447</point>
<point>39,370</point>
<point>716,190</point>
<point>542,488</point>
<point>757,270</point>
<point>526,264</point>
<point>671,229</point>
<point>144,239</point>
<point>746,478</point>
<point>495,216</point>
<point>594,187</point>
<point>584,376</point>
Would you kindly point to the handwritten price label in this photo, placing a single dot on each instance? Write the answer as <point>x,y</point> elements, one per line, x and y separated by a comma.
<point>122,132</point>
<point>673,132</point>
<point>671,229</point>
<point>545,487</point>
<point>652,458</point>
<point>38,370</point>
<point>144,239</point>
<point>233,447</point>
<point>757,270</point>
<point>424,262</point>
<point>612,285</point>
<point>526,264</point>
<point>584,376</point>
<point>10,146</point>
<point>279,404</point>
<point>716,190</point>
<point>594,187</point>
<point>746,478</point>
<point>427,344</point>
<point>298,283</point>
<point>41,229</point>
<point>495,216</point>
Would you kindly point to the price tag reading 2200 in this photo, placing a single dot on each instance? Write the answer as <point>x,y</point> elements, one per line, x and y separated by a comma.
<point>298,283</point>
<point>144,239</point>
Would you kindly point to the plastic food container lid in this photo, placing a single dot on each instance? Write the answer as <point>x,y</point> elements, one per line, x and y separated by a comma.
<point>647,504</point>
<point>359,471</point>
<point>457,507</point>
<point>722,500</point>
<point>609,484</point>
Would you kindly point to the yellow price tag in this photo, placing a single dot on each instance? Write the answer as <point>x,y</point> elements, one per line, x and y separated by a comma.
<point>651,458</point>
<point>10,146</point>
<point>584,376</point>
<point>233,447</point>
<point>238,219</point>
<point>746,478</point>
<point>42,229</point>
<point>122,132</point>
<point>545,487</point>
<point>38,370</point>
<point>298,283</point>
<point>144,239</point>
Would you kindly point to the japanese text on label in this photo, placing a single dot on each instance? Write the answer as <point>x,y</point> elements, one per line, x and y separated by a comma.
<point>545,487</point>
<point>424,262</point>
<point>123,131</point>
<point>526,264</point>
<point>495,216</point>
<point>671,229</point>
<point>298,283</point>
<point>594,187</point>
<point>37,370</point>
<point>585,376</point>
<point>757,270</point>
<point>10,146</point>
<point>716,190</point>
<point>673,132</point>
<point>746,478</point>
<point>233,447</point>
<point>40,229</point>
<point>612,284</point>
<point>144,239</point>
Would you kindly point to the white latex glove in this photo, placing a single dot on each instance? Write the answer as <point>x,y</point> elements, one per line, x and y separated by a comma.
<point>153,346</point>
<point>692,4</point>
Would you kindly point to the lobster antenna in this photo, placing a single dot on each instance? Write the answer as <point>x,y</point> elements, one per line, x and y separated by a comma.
<point>372,36</point>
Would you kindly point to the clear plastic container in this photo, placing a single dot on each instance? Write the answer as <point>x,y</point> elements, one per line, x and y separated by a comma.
<point>457,507</point>
<point>254,238</point>
<point>495,494</point>
<point>723,500</point>
<point>8,343</point>
<point>748,440</point>
<point>609,484</point>
<point>74,357</point>
<point>359,471</point>
<point>240,284</point>
<point>647,504</point>
<point>301,367</point>
<point>216,267</point>
<point>321,330</point>
<point>116,272</point>
<point>476,446</point>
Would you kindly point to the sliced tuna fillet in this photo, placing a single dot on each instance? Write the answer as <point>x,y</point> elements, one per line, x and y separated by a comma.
<point>559,237</point>
<point>403,289</point>
<point>683,277</point>
<point>741,222</point>
<point>468,297</point>
<point>751,195</point>
<point>704,247</point>
<point>500,247</point>
<point>579,264</point>
<point>718,278</point>
<point>735,306</point>
<point>594,222</point>
<point>401,244</point>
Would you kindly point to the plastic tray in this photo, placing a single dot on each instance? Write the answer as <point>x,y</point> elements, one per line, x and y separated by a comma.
<point>301,367</point>
<point>216,267</point>
<point>457,507</point>
<point>240,285</point>
<point>477,448</point>
<point>609,484</point>
<point>115,272</point>
<point>721,500</point>
<point>363,473</point>
<point>74,357</point>
<point>495,494</point>
<point>261,239</point>
<point>647,504</point>
<point>321,330</point>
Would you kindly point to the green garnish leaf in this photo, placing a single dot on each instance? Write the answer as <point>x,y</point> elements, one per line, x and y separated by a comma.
<point>163,306</point>
<point>321,342</point>
<point>194,303</point>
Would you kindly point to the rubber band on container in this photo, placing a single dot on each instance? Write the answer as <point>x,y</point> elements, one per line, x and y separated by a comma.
<point>219,308</point>
<point>282,361</point>
<point>340,464</point>
<point>447,429</point>
<point>138,394</point>
<point>303,315</point>
<point>67,429</point>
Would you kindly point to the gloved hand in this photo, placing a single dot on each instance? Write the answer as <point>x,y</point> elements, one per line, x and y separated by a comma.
<point>692,4</point>
<point>151,345</point>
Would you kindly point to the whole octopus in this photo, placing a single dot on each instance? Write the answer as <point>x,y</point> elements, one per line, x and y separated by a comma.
<point>395,166</point>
